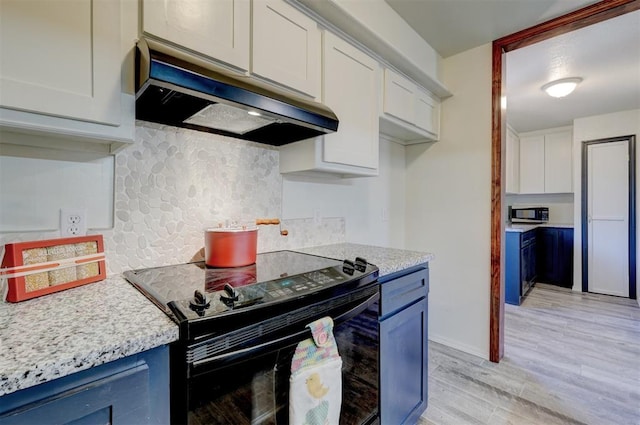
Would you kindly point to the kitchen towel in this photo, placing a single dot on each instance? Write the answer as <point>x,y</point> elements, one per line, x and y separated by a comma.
<point>315,385</point>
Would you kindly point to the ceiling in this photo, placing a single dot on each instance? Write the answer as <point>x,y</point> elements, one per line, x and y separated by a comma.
<point>605,55</point>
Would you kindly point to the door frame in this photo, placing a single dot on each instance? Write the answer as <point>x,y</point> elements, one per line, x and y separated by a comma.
<point>580,18</point>
<point>632,210</point>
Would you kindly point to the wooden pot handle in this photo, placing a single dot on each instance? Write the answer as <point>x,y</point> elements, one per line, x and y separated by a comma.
<point>260,221</point>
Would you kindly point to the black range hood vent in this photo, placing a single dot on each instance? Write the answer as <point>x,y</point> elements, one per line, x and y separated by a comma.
<point>176,89</point>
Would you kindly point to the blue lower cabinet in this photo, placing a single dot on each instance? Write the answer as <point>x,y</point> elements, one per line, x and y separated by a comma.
<point>132,390</point>
<point>544,254</point>
<point>403,347</point>
<point>555,252</point>
<point>521,264</point>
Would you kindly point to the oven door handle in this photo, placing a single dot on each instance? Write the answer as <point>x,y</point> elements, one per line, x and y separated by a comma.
<point>298,336</point>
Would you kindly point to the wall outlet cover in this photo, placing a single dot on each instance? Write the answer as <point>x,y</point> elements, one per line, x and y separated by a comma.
<point>73,222</point>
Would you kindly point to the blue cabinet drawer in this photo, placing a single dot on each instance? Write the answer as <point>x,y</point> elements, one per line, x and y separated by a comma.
<point>403,291</point>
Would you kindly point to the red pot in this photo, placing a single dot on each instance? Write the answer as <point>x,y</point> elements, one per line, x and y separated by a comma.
<point>230,247</point>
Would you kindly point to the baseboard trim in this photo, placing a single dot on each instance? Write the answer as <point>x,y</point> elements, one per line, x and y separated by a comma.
<point>459,346</point>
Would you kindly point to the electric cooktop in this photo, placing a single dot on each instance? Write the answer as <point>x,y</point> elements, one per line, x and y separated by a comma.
<point>279,281</point>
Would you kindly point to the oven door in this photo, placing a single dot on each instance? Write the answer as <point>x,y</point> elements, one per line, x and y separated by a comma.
<point>250,385</point>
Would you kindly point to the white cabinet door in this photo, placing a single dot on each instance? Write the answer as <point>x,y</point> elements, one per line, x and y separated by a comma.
<point>399,96</point>
<point>219,29</point>
<point>513,162</point>
<point>558,169</point>
<point>427,112</point>
<point>532,164</point>
<point>286,46</point>
<point>351,90</point>
<point>62,58</point>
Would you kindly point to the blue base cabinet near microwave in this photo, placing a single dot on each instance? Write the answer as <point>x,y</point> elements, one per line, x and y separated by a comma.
<point>543,254</point>
<point>555,256</point>
<point>520,265</point>
<point>131,390</point>
<point>403,345</point>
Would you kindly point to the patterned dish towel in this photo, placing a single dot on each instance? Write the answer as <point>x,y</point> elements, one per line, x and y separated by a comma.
<point>315,385</point>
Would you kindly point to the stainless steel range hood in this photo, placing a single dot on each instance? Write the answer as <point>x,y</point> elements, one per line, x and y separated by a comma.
<point>182,90</point>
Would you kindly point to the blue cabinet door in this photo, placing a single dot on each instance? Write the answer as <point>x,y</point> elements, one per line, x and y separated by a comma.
<point>131,390</point>
<point>403,365</point>
<point>118,399</point>
<point>555,256</point>
<point>513,268</point>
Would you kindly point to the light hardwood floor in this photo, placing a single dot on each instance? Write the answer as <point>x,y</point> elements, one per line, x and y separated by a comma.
<point>570,358</point>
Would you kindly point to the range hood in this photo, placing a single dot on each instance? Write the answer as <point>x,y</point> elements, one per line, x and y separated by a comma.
<point>181,90</point>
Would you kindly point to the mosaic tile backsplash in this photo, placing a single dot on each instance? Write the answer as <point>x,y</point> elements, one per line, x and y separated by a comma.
<point>172,183</point>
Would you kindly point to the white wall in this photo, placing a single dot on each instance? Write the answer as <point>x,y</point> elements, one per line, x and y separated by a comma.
<point>449,209</point>
<point>373,207</point>
<point>592,128</point>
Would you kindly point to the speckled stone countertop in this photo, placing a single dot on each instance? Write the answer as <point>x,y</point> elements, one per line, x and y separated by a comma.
<point>523,227</point>
<point>56,335</point>
<point>388,260</point>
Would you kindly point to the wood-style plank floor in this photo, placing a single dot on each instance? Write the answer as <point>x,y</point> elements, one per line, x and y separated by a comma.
<point>570,358</point>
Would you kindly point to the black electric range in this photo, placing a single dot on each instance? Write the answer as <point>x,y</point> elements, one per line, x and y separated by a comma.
<point>239,328</point>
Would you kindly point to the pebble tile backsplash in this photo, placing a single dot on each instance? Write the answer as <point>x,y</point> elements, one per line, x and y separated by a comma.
<point>172,183</point>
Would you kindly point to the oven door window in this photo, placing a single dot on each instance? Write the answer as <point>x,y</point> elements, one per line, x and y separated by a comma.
<point>256,390</point>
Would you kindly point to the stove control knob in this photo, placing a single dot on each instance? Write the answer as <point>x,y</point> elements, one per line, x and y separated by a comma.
<point>361,264</point>
<point>231,296</point>
<point>348,267</point>
<point>199,300</point>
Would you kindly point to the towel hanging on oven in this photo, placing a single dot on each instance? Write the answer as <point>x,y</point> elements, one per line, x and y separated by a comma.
<point>315,385</point>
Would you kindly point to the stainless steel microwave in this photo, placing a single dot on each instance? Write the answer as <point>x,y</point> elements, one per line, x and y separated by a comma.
<point>529,215</point>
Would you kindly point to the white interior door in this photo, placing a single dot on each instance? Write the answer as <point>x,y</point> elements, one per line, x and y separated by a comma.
<point>608,218</point>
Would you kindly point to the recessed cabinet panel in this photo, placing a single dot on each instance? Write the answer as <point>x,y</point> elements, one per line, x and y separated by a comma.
<point>558,170</point>
<point>427,112</point>
<point>61,58</point>
<point>286,46</point>
<point>218,29</point>
<point>513,162</point>
<point>351,91</point>
<point>532,164</point>
<point>399,96</point>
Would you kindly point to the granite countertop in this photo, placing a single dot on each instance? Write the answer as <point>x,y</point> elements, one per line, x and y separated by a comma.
<point>525,227</point>
<point>388,260</point>
<point>56,335</point>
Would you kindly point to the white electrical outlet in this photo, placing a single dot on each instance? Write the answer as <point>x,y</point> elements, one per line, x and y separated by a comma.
<point>73,222</point>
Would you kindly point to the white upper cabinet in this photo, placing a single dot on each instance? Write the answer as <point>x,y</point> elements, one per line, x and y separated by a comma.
<point>558,162</point>
<point>350,88</point>
<point>512,184</point>
<point>399,96</point>
<point>61,69</point>
<point>409,113</point>
<point>269,38</point>
<point>351,91</point>
<point>532,164</point>
<point>286,46</point>
<point>427,112</point>
<point>219,29</point>
<point>546,164</point>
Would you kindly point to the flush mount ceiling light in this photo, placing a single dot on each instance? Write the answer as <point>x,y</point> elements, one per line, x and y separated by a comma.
<point>561,88</point>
